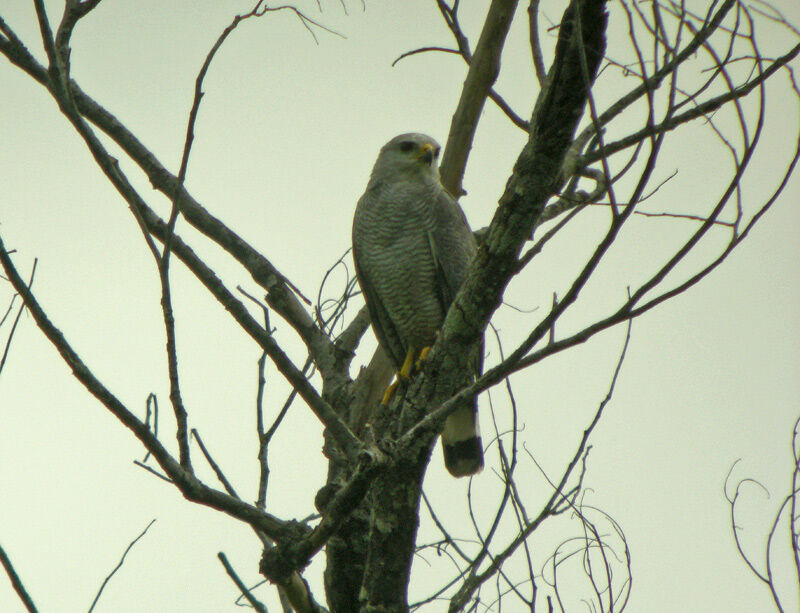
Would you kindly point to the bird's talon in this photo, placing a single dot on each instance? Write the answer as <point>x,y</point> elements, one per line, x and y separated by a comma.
<point>423,355</point>
<point>387,395</point>
<point>405,369</point>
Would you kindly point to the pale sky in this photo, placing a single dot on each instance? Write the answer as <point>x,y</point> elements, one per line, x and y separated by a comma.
<point>287,133</point>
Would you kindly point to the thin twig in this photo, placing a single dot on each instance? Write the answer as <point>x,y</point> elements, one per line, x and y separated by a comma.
<point>16,319</point>
<point>214,466</point>
<point>153,471</point>
<point>717,222</point>
<point>119,564</point>
<point>536,47</point>
<point>256,604</point>
<point>151,413</point>
<point>424,50</point>
<point>9,309</point>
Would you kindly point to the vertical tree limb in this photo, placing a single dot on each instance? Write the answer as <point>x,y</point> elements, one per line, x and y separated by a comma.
<point>482,74</point>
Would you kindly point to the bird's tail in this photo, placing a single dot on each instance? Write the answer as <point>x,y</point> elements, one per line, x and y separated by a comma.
<point>461,442</point>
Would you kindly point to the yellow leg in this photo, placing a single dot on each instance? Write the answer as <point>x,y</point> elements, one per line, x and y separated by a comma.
<point>423,355</point>
<point>405,370</point>
<point>409,366</point>
<point>387,395</point>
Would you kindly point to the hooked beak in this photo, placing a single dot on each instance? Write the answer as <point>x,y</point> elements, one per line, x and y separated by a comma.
<point>428,153</point>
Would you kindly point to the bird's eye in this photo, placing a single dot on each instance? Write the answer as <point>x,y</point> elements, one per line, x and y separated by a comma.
<point>436,153</point>
<point>406,146</point>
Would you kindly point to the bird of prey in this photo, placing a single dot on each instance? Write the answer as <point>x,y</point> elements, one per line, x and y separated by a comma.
<point>412,247</point>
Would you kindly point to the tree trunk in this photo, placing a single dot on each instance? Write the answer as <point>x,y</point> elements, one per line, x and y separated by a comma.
<point>393,532</point>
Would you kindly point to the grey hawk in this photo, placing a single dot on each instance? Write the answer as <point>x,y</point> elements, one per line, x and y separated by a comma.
<point>412,247</point>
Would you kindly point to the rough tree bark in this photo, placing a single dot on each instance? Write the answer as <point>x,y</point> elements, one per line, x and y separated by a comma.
<point>377,456</point>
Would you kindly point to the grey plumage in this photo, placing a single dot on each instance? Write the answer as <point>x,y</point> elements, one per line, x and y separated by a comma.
<point>412,247</point>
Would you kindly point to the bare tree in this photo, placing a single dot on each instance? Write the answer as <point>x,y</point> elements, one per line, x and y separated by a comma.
<point>595,132</point>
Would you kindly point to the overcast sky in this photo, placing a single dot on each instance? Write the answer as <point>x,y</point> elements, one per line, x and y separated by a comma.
<point>286,137</point>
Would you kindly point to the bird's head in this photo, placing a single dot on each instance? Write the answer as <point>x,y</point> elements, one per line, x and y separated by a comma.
<point>408,156</point>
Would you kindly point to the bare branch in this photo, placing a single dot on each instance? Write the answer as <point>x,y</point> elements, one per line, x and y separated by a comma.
<point>348,340</point>
<point>304,19</point>
<point>652,83</point>
<point>239,584</point>
<point>189,486</point>
<point>629,309</point>
<point>9,309</point>
<point>264,437</point>
<point>119,564</point>
<point>281,295</point>
<point>16,582</point>
<point>321,348</point>
<point>424,50</point>
<point>482,74</point>
<point>47,38</point>
<point>346,439</point>
<point>450,16</point>
<point>214,466</point>
<point>16,319</point>
<point>698,111</point>
<point>789,502</point>
<point>728,224</point>
<point>536,48</point>
<point>263,461</point>
<point>74,10</point>
<point>771,12</point>
<point>771,577</point>
<point>151,412</point>
<point>182,432</point>
<point>476,579</point>
<point>153,471</point>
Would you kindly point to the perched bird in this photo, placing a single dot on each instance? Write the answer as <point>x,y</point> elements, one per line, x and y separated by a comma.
<point>412,247</point>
